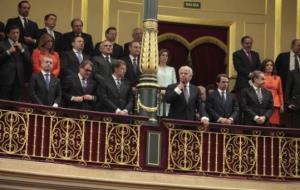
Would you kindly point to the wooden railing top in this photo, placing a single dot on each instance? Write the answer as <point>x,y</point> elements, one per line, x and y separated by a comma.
<point>238,127</point>
<point>71,111</point>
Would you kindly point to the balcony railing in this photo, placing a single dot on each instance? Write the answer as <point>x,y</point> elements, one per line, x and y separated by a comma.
<point>106,140</point>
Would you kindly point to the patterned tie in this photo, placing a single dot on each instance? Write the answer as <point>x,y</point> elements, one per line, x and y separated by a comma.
<point>186,94</point>
<point>259,95</point>
<point>47,80</point>
<point>118,84</point>
<point>296,62</point>
<point>107,59</point>
<point>84,84</point>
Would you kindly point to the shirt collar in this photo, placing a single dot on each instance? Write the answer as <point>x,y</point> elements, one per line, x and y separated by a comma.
<point>131,57</point>
<point>80,77</point>
<point>220,91</point>
<point>44,72</point>
<point>106,56</point>
<point>11,42</point>
<point>76,51</point>
<point>255,87</point>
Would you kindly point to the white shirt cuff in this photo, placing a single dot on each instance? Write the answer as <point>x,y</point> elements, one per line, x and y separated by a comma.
<point>255,117</point>
<point>117,111</point>
<point>55,105</point>
<point>204,118</point>
<point>178,91</point>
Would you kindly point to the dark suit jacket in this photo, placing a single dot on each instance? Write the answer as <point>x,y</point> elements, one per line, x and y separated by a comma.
<point>70,63</point>
<point>179,108</point>
<point>114,98</point>
<point>40,94</point>
<point>116,54</point>
<point>216,108</point>
<point>243,67</point>
<point>31,31</point>
<point>292,91</point>
<point>72,87</point>
<point>2,27</point>
<point>66,42</point>
<point>57,35</point>
<point>282,64</point>
<point>126,49</point>
<point>130,74</point>
<point>251,106</point>
<point>102,67</point>
<point>17,65</point>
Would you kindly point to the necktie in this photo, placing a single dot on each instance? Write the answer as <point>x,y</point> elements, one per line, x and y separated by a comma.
<point>223,97</point>
<point>118,83</point>
<point>186,94</point>
<point>296,62</point>
<point>259,95</point>
<point>79,57</point>
<point>107,59</point>
<point>84,84</point>
<point>51,33</point>
<point>25,25</point>
<point>47,80</point>
<point>135,65</point>
<point>249,56</point>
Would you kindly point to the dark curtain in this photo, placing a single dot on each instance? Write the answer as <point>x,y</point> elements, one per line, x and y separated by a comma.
<point>208,60</point>
<point>178,53</point>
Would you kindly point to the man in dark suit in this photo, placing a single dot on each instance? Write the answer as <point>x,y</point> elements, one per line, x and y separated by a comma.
<point>28,28</point>
<point>132,61</point>
<point>66,39</point>
<point>245,61</point>
<point>288,61</point>
<point>2,33</point>
<point>137,35</point>
<point>81,91</point>
<point>45,88</point>
<point>184,98</point>
<point>103,63</point>
<point>292,97</point>
<point>14,61</point>
<point>50,23</point>
<point>221,105</point>
<point>71,60</point>
<point>111,35</point>
<point>117,95</point>
<point>256,101</point>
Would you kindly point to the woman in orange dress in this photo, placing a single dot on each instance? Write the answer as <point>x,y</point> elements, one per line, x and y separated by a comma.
<point>45,48</point>
<point>273,84</point>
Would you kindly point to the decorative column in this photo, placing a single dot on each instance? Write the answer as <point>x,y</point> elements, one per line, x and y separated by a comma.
<point>147,88</point>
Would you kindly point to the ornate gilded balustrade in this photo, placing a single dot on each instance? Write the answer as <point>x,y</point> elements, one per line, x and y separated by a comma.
<point>33,132</point>
<point>61,135</point>
<point>233,150</point>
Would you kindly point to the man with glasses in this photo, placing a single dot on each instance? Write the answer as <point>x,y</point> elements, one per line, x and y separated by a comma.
<point>45,88</point>
<point>81,91</point>
<point>103,63</point>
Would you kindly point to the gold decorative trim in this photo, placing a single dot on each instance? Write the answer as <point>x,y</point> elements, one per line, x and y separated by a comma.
<point>144,107</point>
<point>105,17</point>
<point>84,14</point>
<point>277,31</point>
<point>298,20</point>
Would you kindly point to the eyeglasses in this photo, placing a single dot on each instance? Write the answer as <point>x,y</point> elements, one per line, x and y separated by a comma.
<point>87,70</point>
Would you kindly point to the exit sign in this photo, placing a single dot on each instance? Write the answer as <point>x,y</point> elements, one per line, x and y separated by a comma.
<point>192,4</point>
